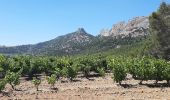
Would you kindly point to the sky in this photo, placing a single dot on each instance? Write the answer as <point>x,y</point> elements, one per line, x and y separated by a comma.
<point>33,21</point>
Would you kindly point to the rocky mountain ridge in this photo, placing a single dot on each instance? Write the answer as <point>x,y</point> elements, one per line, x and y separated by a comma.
<point>80,41</point>
<point>135,27</point>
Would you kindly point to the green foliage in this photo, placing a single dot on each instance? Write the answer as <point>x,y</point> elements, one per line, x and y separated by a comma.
<point>159,24</point>
<point>119,69</point>
<point>86,65</point>
<point>3,65</point>
<point>85,69</point>
<point>57,72</point>
<point>51,80</point>
<point>64,67</point>
<point>64,72</point>
<point>101,71</point>
<point>141,68</point>
<point>71,72</point>
<point>13,78</point>
<point>146,69</point>
<point>36,82</point>
<point>37,65</point>
<point>2,84</point>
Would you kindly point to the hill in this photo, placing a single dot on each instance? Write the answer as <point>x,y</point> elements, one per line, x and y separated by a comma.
<point>81,42</point>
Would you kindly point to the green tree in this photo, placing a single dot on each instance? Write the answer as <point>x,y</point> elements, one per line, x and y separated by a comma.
<point>160,25</point>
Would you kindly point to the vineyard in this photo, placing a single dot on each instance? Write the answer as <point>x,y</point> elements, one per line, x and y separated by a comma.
<point>142,69</point>
<point>57,68</point>
<point>128,61</point>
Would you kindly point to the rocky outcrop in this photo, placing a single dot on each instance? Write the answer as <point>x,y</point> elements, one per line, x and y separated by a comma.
<point>138,26</point>
<point>79,36</point>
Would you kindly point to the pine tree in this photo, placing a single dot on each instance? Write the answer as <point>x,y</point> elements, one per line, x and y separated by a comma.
<point>160,25</point>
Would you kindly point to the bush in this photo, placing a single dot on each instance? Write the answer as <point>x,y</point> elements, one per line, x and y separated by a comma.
<point>71,73</point>
<point>119,74</point>
<point>118,69</point>
<point>36,82</point>
<point>51,80</point>
<point>13,79</point>
<point>64,72</point>
<point>57,72</point>
<point>86,70</point>
<point>2,84</point>
<point>101,71</point>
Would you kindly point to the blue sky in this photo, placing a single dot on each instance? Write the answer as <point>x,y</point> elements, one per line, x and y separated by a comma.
<point>33,21</point>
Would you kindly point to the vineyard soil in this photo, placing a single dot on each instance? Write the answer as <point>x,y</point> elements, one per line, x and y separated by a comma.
<point>97,88</point>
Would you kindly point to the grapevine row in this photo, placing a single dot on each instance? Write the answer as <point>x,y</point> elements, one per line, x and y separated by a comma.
<point>55,68</point>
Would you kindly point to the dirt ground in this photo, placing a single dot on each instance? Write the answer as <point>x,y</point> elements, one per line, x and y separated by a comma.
<point>97,88</point>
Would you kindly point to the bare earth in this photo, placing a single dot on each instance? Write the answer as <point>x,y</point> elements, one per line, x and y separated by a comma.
<point>97,88</point>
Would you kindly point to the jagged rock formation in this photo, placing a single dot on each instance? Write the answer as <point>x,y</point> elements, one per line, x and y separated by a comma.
<point>80,41</point>
<point>138,26</point>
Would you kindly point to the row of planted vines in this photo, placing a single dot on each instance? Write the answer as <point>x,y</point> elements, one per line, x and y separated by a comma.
<point>56,68</point>
<point>141,68</point>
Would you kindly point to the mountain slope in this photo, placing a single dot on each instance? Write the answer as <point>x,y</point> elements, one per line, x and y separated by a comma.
<point>80,42</point>
<point>66,44</point>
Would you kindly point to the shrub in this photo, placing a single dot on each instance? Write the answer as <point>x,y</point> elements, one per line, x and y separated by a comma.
<point>101,71</point>
<point>51,80</point>
<point>118,69</point>
<point>71,73</point>
<point>58,72</point>
<point>13,79</point>
<point>36,82</point>
<point>64,72</point>
<point>86,70</point>
<point>2,84</point>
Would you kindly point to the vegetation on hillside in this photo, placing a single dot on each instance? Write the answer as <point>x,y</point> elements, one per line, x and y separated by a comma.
<point>144,58</point>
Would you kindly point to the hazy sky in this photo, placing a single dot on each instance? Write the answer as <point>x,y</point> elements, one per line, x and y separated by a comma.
<point>33,21</point>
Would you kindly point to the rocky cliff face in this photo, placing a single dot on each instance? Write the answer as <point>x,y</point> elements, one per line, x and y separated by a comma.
<point>136,27</point>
